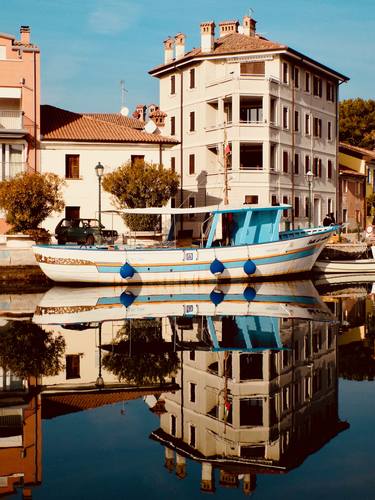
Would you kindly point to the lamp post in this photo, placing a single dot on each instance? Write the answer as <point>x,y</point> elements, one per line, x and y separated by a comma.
<point>310,179</point>
<point>99,169</point>
<point>99,381</point>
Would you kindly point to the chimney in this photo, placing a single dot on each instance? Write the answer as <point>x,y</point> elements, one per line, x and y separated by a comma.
<point>207,36</point>
<point>180,45</point>
<point>168,50</point>
<point>140,111</point>
<point>228,27</point>
<point>158,117</point>
<point>25,34</point>
<point>248,26</point>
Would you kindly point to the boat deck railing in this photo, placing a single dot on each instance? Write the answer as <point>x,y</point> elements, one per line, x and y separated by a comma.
<point>286,235</point>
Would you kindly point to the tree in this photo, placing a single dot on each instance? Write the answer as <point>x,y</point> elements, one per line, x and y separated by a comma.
<point>27,350</point>
<point>357,122</point>
<point>28,199</point>
<point>138,186</point>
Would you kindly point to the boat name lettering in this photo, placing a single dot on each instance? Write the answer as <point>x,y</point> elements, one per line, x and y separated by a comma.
<point>61,261</point>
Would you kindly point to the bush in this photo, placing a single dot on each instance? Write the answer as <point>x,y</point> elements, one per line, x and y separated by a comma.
<point>28,199</point>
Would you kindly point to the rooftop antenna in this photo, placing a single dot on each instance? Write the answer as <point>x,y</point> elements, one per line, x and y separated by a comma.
<point>123,110</point>
<point>251,12</point>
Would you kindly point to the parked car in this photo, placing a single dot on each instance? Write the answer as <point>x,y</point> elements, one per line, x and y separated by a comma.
<point>83,231</point>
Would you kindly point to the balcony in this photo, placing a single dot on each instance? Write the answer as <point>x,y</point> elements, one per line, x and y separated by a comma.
<point>11,120</point>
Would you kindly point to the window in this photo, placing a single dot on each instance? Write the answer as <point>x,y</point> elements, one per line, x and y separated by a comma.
<point>192,355</point>
<point>285,117</point>
<point>192,121</point>
<point>173,425</point>
<point>317,86</point>
<point>296,121</point>
<point>134,159</point>
<point>285,161</point>
<point>3,52</point>
<point>72,363</point>
<point>307,164</point>
<point>72,166</point>
<point>191,203</point>
<point>192,78</point>
<point>252,68</point>
<point>330,92</point>
<point>307,82</point>
<point>317,127</point>
<point>285,398</point>
<point>192,440</point>
<point>251,412</point>
<point>345,215</point>
<point>173,202</point>
<point>330,206</point>
<point>273,158</point>
<point>285,73</point>
<point>329,169</point>
<point>329,131</point>
<point>307,124</point>
<point>306,207</point>
<point>296,163</point>
<point>274,200</point>
<point>285,202</point>
<point>307,347</point>
<point>251,199</point>
<point>72,212</point>
<point>191,164</point>
<point>193,392</point>
<point>173,163</point>
<point>296,77</point>
<point>296,206</point>
<point>173,125</point>
<point>173,84</point>
<point>317,167</point>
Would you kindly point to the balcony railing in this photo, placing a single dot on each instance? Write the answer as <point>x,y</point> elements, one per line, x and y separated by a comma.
<point>11,119</point>
<point>11,169</point>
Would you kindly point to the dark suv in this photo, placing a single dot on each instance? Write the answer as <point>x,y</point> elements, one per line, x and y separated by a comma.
<point>83,231</point>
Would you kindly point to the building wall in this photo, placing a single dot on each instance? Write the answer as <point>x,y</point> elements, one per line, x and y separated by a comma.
<point>218,81</point>
<point>83,192</point>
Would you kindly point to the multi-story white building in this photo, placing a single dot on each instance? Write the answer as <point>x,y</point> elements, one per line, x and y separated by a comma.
<point>258,110</point>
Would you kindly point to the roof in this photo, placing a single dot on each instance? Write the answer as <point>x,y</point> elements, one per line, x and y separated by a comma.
<point>61,125</point>
<point>237,43</point>
<point>355,149</point>
<point>344,170</point>
<point>62,404</point>
<point>117,118</point>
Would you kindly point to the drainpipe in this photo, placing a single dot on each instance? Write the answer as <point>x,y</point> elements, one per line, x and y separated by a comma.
<point>292,122</point>
<point>35,110</point>
<point>182,144</point>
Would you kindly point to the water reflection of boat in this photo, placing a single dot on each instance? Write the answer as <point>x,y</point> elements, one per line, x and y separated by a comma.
<point>297,299</point>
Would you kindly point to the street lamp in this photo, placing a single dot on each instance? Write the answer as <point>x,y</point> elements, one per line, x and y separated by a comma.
<point>99,169</point>
<point>100,381</point>
<point>310,180</point>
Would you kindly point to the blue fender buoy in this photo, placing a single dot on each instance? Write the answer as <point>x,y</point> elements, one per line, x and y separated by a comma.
<point>126,271</point>
<point>216,267</point>
<point>249,267</point>
<point>216,297</point>
<point>249,293</point>
<point>127,298</point>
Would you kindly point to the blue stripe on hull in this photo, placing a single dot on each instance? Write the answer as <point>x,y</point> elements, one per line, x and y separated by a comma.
<point>206,267</point>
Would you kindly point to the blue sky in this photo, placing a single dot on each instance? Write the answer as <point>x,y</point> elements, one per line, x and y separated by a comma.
<point>88,46</point>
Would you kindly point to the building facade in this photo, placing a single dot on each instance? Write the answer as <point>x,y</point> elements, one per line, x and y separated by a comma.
<point>72,145</point>
<point>252,117</point>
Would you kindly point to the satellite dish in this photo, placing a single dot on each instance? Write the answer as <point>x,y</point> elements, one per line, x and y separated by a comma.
<point>150,127</point>
<point>124,111</point>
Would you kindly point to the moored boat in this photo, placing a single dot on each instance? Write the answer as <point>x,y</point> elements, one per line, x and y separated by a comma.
<point>235,244</point>
<point>360,266</point>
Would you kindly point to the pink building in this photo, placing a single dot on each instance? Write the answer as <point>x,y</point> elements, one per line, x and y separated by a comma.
<point>19,104</point>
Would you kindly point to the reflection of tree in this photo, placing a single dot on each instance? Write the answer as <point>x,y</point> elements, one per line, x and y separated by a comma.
<point>356,361</point>
<point>134,361</point>
<point>27,350</point>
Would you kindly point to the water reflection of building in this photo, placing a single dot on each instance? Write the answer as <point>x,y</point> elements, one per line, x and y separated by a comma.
<point>248,413</point>
<point>20,436</point>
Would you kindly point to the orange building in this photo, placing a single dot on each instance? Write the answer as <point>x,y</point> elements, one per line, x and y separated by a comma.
<point>19,104</point>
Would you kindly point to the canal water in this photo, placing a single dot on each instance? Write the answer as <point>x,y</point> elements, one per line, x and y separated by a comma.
<point>188,391</point>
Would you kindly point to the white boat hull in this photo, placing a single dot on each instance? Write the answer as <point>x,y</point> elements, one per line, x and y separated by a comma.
<point>181,265</point>
<point>345,266</point>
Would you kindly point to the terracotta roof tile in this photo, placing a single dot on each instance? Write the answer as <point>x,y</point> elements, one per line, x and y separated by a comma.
<point>356,149</point>
<point>233,43</point>
<point>62,125</point>
<point>118,119</point>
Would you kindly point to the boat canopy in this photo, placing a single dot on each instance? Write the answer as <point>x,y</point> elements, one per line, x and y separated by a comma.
<point>195,210</point>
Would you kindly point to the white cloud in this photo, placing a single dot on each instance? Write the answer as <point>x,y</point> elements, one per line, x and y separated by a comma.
<point>113,16</point>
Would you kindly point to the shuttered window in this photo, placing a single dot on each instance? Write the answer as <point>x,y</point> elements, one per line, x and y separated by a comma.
<point>252,68</point>
<point>72,166</point>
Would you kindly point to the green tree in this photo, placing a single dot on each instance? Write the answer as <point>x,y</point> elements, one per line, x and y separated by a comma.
<point>357,122</point>
<point>27,350</point>
<point>139,357</point>
<point>138,186</point>
<point>28,199</point>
